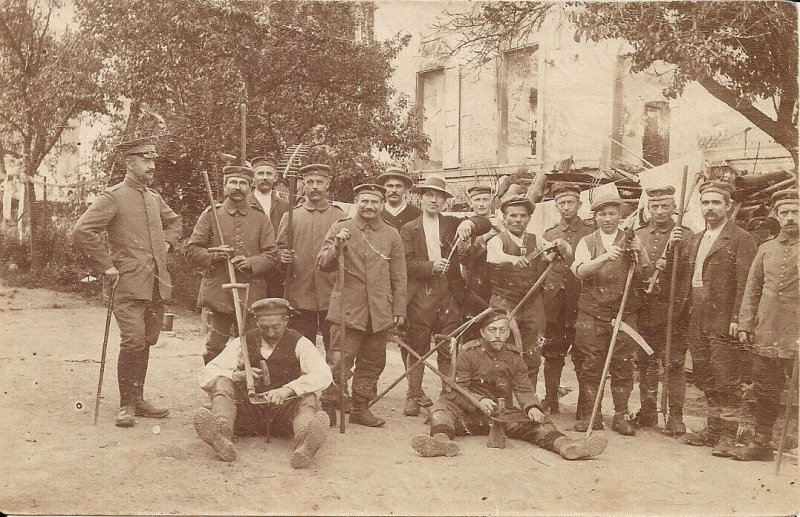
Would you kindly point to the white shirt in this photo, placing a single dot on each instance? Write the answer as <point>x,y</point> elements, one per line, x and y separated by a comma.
<point>582,254</point>
<point>709,237</point>
<point>395,211</point>
<point>315,373</point>
<point>265,200</point>
<point>430,225</point>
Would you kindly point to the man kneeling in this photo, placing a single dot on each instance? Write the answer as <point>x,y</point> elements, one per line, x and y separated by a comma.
<point>490,369</point>
<point>295,372</point>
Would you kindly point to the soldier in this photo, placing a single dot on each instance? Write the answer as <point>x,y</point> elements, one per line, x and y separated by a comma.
<point>295,371</point>
<point>141,229</point>
<point>265,175</point>
<point>517,262</point>
<point>602,260</point>
<point>658,235</point>
<point>489,368</point>
<point>720,259</point>
<point>560,298</point>
<point>397,211</point>
<point>250,241</point>
<point>308,289</point>
<point>473,253</point>
<point>769,321</point>
<point>437,295</point>
<point>373,295</point>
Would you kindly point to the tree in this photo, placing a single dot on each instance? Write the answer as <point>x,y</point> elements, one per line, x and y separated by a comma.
<point>739,51</point>
<point>46,81</point>
<point>301,67</point>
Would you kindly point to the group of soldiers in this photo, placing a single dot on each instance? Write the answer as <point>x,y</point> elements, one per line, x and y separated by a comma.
<point>393,272</point>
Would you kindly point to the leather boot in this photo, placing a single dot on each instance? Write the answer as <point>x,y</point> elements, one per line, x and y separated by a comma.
<point>212,431</point>
<point>414,378</point>
<point>552,381</point>
<point>364,416</point>
<point>623,424</point>
<point>589,395</point>
<point>646,418</point>
<point>412,407</point>
<point>758,449</point>
<point>582,425</point>
<point>309,440</point>
<point>580,408</point>
<point>704,437</point>
<point>142,407</point>
<point>425,401</point>
<point>330,399</point>
<point>675,426</point>
<point>125,417</point>
<point>437,445</point>
<point>726,446</point>
<point>570,449</point>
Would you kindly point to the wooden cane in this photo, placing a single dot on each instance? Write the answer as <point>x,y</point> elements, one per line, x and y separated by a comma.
<point>791,398</point>
<point>105,347</point>
<point>673,280</point>
<point>614,334</point>
<point>342,333</point>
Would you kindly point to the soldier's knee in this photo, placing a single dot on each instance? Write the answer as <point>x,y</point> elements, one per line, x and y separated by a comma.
<point>222,386</point>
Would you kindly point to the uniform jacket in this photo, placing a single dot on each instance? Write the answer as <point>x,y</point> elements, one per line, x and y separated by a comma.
<point>771,303</point>
<point>561,288</point>
<point>375,274</point>
<point>250,234</point>
<point>278,207</point>
<point>724,276</point>
<point>138,222</point>
<point>489,374</point>
<point>653,313</point>
<point>307,287</point>
<point>420,269</point>
<point>409,213</point>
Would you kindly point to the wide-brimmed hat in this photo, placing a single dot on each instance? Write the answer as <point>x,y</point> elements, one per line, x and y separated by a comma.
<point>434,183</point>
<point>606,200</point>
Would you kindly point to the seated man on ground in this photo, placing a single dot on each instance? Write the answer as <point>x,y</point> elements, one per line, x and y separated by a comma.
<point>490,369</point>
<point>295,373</point>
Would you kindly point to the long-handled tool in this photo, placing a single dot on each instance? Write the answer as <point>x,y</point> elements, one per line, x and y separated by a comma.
<point>791,398</point>
<point>673,280</point>
<point>105,347</point>
<point>611,345</point>
<point>292,157</point>
<point>441,342</point>
<point>342,342</point>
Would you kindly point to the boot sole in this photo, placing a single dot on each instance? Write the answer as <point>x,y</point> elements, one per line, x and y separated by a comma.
<point>430,447</point>
<point>379,422</point>
<point>161,414</point>
<point>316,434</point>
<point>583,449</point>
<point>207,427</point>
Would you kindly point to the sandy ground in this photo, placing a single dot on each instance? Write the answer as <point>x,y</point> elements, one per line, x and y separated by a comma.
<point>56,461</point>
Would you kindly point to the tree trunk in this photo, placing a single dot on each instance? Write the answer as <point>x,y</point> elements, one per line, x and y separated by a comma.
<point>31,221</point>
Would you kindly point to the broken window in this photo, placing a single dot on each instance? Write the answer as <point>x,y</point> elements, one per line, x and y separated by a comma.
<point>430,98</point>
<point>518,114</point>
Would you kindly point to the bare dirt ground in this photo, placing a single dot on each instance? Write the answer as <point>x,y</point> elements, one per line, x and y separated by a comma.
<point>55,461</point>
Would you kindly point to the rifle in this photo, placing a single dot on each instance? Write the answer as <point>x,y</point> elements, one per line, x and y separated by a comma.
<point>290,162</point>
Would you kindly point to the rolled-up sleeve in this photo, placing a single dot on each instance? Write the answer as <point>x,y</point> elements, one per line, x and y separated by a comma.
<point>316,375</point>
<point>582,256</point>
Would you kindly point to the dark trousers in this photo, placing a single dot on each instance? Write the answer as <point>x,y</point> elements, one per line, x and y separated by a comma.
<point>366,351</point>
<point>221,327</point>
<point>592,338</point>
<point>436,312</point>
<point>648,366</point>
<point>309,323</point>
<point>560,328</point>
<point>769,379</point>
<point>450,419</point>
<point>139,323</point>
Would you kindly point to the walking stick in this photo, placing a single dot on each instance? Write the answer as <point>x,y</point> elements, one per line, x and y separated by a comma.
<point>791,398</point>
<point>614,334</point>
<point>445,339</point>
<point>673,280</point>
<point>342,333</point>
<point>105,347</point>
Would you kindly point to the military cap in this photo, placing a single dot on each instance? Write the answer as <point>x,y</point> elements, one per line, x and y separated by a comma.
<point>659,193</point>
<point>264,161</point>
<point>370,188</point>
<point>145,147</point>
<point>478,190</point>
<point>606,200</point>
<point>434,183</point>
<point>517,201</point>
<point>566,189</point>
<point>317,169</point>
<point>394,173</point>
<point>494,315</point>
<point>238,171</point>
<point>783,197</point>
<point>720,187</point>
<point>269,306</point>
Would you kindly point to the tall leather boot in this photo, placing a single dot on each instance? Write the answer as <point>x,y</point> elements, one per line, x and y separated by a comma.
<point>552,381</point>
<point>647,415</point>
<point>759,449</point>
<point>216,427</point>
<point>570,449</point>
<point>590,393</point>
<point>415,376</point>
<point>675,426</point>
<point>443,364</point>
<point>726,446</point>
<point>126,375</point>
<point>439,444</point>
<point>580,408</point>
<point>309,439</point>
<point>143,407</point>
